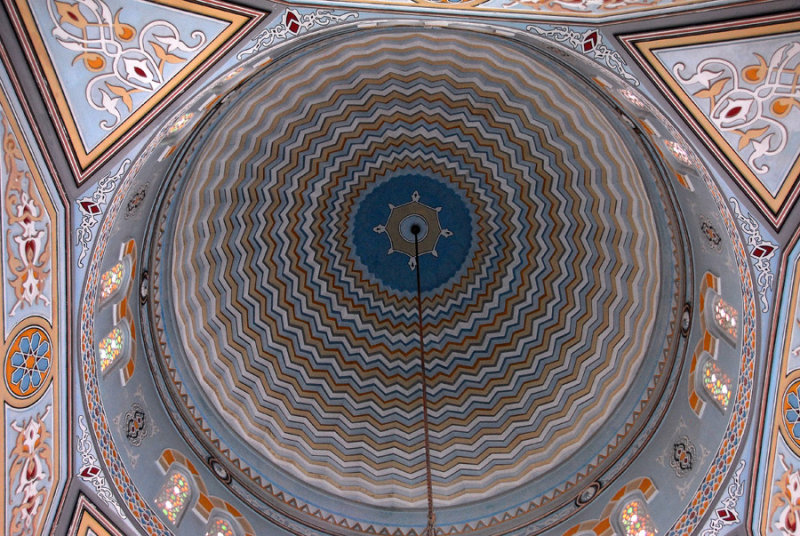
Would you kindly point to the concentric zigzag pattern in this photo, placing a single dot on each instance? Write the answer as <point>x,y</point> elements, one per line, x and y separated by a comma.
<point>311,360</point>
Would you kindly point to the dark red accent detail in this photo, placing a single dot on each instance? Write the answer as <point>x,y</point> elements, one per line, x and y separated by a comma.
<point>292,22</point>
<point>733,111</point>
<point>763,251</point>
<point>140,72</point>
<point>90,207</point>
<point>728,516</point>
<point>90,472</point>
<point>73,16</point>
<point>590,41</point>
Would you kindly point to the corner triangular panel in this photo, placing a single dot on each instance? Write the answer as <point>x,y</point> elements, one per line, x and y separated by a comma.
<point>107,66</point>
<point>738,85</point>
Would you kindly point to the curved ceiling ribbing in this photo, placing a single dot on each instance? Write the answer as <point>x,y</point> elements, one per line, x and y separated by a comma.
<point>280,309</point>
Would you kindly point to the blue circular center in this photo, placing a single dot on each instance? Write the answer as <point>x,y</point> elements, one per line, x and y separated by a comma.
<point>414,227</point>
<point>392,269</point>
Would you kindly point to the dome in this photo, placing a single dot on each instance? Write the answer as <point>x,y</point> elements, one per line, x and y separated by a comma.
<point>398,280</point>
<point>288,320</point>
<point>400,267</point>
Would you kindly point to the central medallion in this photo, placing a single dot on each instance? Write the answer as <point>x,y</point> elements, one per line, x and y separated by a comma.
<point>413,229</point>
<point>440,213</point>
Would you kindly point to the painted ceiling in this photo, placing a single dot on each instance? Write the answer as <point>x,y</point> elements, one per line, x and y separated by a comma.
<point>333,389</point>
<point>404,268</point>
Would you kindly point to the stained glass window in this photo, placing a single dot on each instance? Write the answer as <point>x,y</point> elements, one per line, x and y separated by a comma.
<point>716,383</point>
<point>726,317</point>
<point>219,526</point>
<point>181,122</point>
<point>679,151</point>
<point>633,98</point>
<point>111,280</point>
<point>110,348</point>
<point>233,73</point>
<point>635,520</point>
<point>174,496</point>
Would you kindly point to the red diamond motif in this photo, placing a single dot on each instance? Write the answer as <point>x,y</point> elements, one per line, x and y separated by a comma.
<point>90,472</point>
<point>89,207</point>
<point>590,41</point>
<point>292,21</point>
<point>763,250</point>
<point>727,515</point>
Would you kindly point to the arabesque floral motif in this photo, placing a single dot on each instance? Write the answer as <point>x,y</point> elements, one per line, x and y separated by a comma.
<point>30,469</point>
<point>761,252</point>
<point>28,235</point>
<point>589,43</point>
<point>787,501</point>
<point>127,60</point>
<point>752,103</point>
<point>683,454</point>
<point>90,470</point>
<point>580,6</point>
<point>726,513</point>
<point>293,23</point>
<point>92,208</point>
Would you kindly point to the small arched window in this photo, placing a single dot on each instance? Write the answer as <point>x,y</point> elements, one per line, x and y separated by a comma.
<point>112,346</point>
<point>716,383</point>
<point>634,519</point>
<point>722,319</point>
<point>174,497</point>
<point>180,123</point>
<point>111,280</point>
<point>726,318</point>
<point>679,151</point>
<point>220,525</point>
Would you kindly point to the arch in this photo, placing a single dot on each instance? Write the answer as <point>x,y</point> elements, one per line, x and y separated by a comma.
<point>115,286</point>
<point>706,345</point>
<point>172,457</point>
<point>640,488</point>
<point>206,506</point>
<point>220,506</point>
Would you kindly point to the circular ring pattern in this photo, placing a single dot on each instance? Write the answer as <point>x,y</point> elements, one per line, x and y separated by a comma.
<point>302,358</point>
<point>413,227</point>
<point>791,411</point>
<point>28,362</point>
